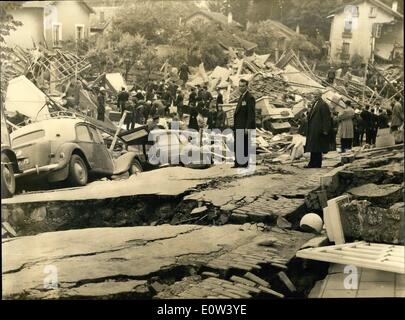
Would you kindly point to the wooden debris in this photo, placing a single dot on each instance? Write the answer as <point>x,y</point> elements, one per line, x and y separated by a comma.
<point>287,282</point>
<point>256,279</point>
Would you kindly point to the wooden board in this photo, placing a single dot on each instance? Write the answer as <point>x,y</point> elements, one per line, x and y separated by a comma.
<point>332,219</point>
<point>376,256</point>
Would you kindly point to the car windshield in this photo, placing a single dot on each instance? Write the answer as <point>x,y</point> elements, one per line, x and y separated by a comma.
<point>28,137</point>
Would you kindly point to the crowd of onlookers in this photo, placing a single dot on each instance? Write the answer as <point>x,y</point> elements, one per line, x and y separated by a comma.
<point>167,99</point>
<point>354,126</point>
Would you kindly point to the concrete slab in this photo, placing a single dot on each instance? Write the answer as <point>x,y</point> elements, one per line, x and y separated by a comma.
<point>79,262</point>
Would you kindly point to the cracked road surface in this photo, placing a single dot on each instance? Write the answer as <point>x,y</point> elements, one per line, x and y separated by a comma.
<point>117,262</point>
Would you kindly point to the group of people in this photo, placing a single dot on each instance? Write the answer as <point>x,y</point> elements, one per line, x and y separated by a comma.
<point>322,126</point>
<point>156,100</point>
<point>205,111</point>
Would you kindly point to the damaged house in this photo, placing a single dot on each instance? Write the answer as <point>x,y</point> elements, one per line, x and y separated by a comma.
<point>367,28</point>
<point>50,23</point>
<point>228,30</point>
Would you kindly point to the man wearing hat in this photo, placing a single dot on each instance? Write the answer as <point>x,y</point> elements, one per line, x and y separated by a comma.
<point>318,130</point>
<point>101,104</point>
<point>122,99</point>
<point>139,95</point>
<point>179,102</point>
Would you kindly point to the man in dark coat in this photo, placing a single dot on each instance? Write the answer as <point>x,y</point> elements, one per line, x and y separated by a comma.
<point>192,99</point>
<point>220,118</point>
<point>193,124</point>
<point>374,126</point>
<point>367,118</point>
<point>101,104</point>
<point>318,131</point>
<point>244,121</point>
<point>207,97</point>
<point>178,101</point>
<point>220,98</point>
<point>183,73</point>
<point>331,75</point>
<point>122,99</point>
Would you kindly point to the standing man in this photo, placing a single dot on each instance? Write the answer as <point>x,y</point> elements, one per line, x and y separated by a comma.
<point>220,98</point>
<point>207,97</point>
<point>374,126</point>
<point>346,128</point>
<point>220,118</point>
<point>244,121</point>
<point>101,104</point>
<point>192,99</point>
<point>166,99</point>
<point>318,131</point>
<point>331,75</point>
<point>122,99</point>
<point>397,118</point>
<point>179,102</point>
<point>183,73</point>
<point>367,118</point>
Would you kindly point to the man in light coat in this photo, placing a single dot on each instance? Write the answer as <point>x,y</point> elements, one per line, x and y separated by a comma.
<point>345,129</point>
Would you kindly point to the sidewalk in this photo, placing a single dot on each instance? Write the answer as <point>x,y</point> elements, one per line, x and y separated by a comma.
<point>372,283</point>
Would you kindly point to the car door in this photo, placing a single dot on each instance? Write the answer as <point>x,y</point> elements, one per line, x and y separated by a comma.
<point>103,158</point>
<point>85,141</point>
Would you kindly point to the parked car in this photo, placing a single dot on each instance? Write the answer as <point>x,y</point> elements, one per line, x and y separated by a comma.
<point>9,164</point>
<point>67,149</point>
<point>162,147</point>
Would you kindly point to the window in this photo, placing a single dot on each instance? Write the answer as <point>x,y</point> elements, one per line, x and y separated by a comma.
<point>373,12</point>
<point>83,134</point>
<point>351,11</point>
<point>79,31</point>
<point>346,48</point>
<point>56,34</point>
<point>102,17</point>
<point>348,25</point>
<point>96,137</point>
<point>377,27</point>
<point>28,137</point>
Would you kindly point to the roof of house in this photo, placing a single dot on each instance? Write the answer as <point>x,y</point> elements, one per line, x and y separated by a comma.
<point>43,4</point>
<point>282,28</point>
<point>216,16</point>
<point>229,40</point>
<point>376,3</point>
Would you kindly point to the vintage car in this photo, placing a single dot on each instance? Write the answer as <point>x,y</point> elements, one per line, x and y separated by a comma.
<point>68,150</point>
<point>163,147</point>
<point>9,164</point>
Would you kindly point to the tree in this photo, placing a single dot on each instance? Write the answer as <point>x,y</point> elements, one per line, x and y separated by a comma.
<point>7,25</point>
<point>156,21</point>
<point>129,48</point>
<point>149,60</point>
<point>200,44</point>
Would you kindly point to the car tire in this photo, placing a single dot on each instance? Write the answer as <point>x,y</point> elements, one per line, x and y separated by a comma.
<point>7,178</point>
<point>78,174</point>
<point>135,167</point>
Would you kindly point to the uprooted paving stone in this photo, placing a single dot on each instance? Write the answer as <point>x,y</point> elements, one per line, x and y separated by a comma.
<point>383,195</point>
<point>171,195</point>
<point>383,166</point>
<point>148,198</point>
<point>362,220</point>
<point>135,262</point>
<point>261,198</point>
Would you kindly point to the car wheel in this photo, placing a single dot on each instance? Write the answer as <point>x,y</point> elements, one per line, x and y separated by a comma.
<point>77,171</point>
<point>135,168</point>
<point>7,178</point>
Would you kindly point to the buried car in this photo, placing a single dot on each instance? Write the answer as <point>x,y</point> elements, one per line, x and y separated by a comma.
<point>162,147</point>
<point>9,164</point>
<point>67,149</point>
